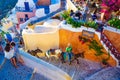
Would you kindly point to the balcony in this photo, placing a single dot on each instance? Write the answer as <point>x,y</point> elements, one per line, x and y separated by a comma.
<point>22,9</point>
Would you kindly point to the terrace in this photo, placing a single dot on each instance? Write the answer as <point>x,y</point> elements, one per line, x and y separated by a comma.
<point>66,34</point>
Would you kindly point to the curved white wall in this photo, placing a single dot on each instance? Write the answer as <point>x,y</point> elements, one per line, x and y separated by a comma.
<point>49,71</point>
<point>41,39</point>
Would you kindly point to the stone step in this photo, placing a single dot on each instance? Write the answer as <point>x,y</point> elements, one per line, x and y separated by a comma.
<point>37,76</point>
<point>9,72</point>
<point>84,69</point>
<point>110,73</point>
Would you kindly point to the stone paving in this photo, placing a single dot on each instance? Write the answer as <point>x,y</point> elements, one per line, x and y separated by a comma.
<point>110,73</point>
<point>77,71</point>
<point>87,70</point>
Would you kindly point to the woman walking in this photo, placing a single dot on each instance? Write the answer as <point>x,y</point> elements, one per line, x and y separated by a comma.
<point>9,54</point>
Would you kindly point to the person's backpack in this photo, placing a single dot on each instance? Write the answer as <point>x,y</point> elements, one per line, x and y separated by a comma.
<point>9,37</point>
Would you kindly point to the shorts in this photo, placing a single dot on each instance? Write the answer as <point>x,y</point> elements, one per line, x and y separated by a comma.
<point>14,57</point>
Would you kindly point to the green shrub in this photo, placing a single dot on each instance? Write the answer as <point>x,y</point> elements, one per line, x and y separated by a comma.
<point>115,22</point>
<point>70,20</point>
<point>104,60</point>
<point>2,33</point>
<point>98,48</point>
<point>74,23</point>
<point>91,24</point>
<point>65,14</point>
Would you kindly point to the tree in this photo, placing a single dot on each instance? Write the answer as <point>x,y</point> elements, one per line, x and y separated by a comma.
<point>108,6</point>
<point>6,6</point>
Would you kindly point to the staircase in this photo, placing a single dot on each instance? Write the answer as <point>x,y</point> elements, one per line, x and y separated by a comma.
<point>48,16</point>
<point>110,73</point>
<point>9,72</point>
<point>86,70</point>
<point>80,71</point>
<point>37,76</point>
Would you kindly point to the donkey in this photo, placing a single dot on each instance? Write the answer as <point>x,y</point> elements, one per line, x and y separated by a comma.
<point>74,57</point>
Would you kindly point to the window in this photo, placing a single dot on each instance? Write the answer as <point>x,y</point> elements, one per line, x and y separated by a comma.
<point>26,15</point>
<point>21,19</point>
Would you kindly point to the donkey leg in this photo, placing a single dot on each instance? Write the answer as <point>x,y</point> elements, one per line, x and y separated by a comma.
<point>70,62</point>
<point>77,61</point>
<point>62,60</point>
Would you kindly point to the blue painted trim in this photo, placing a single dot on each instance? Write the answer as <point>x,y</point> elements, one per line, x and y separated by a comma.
<point>35,1</point>
<point>55,1</point>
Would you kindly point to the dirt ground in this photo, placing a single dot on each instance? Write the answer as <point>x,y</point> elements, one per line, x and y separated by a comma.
<point>72,38</point>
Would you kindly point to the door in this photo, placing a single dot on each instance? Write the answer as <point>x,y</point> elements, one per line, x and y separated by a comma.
<point>27,8</point>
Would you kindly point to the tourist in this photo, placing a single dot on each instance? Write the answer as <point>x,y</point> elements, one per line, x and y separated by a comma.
<point>69,52</point>
<point>7,41</point>
<point>71,13</point>
<point>8,37</point>
<point>85,11</point>
<point>9,54</point>
<point>21,43</point>
<point>94,16</point>
<point>78,14</point>
<point>16,52</point>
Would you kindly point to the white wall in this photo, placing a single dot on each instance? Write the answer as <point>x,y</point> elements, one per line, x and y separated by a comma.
<point>71,6</point>
<point>24,25</point>
<point>49,71</point>
<point>44,40</point>
<point>112,29</point>
<point>54,7</point>
<point>40,12</point>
